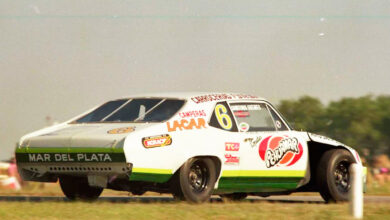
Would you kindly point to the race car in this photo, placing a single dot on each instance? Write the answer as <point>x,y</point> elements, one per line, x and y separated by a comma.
<point>192,145</point>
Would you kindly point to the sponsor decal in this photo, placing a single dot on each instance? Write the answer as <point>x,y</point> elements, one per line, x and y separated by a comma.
<point>280,151</point>
<point>253,107</point>
<point>243,126</point>
<point>224,120</point>
<point>238,108</point>
<point>230,159</point>
<point>253,141</point>
<point>157,141</point>
<point>230,146</point>
<point>121,130</point>
<point>186,124</point>
<point>217,97</point>
<point>241,114</point>
<point>193,114</point>
<point>246,107</point>
<point>71,157</point>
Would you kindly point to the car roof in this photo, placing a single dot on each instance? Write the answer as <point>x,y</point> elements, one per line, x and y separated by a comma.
<point>191,95</point>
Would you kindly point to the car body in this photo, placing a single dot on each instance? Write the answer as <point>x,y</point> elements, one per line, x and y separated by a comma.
<point>189,144</point>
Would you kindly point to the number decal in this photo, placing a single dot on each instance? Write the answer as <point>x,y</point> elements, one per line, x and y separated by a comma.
<point>223,118</point>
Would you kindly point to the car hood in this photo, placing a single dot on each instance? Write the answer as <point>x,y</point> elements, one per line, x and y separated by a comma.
<point>84,135</point>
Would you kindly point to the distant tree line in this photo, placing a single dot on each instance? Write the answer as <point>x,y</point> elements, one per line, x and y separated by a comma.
<point>362,123</point>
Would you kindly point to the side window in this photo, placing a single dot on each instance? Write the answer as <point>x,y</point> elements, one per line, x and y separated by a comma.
<point>280,126</point>
<point>252,117</point>
<point>222,117</point>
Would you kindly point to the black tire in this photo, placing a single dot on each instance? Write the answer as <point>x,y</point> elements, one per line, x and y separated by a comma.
<point>234,196</point>
<point>178,196</point>
<point>195,180</point>
<point>76,188</point>
<point>333,176</point>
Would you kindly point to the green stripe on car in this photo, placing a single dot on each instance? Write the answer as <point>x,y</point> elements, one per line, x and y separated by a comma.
<point>259,180</point>
<point>150,175</point>
<point>263,173</point>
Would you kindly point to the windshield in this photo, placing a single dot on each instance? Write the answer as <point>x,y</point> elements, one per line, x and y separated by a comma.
<point>133,110</point>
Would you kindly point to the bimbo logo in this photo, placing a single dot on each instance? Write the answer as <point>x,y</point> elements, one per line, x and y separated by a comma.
<point>280,151</point>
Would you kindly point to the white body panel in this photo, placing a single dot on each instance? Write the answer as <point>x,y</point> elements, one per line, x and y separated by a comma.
<point>254,161</point>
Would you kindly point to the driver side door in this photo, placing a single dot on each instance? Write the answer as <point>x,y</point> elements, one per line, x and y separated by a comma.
<point>273,158</point>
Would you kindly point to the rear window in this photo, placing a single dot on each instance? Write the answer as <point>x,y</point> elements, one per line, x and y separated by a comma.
<point>102,111</point>
<point>134,110</point>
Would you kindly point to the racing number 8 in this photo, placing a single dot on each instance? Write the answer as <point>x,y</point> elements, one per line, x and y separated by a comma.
<point>223,118</point>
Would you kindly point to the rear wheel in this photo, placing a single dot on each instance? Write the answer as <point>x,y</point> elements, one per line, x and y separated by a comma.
<point>333,175</point>
<point>77,188</point>
<point>196,180</point>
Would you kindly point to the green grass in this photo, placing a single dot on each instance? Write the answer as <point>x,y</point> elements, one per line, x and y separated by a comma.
<point>53,189</point>
<point>376,189</point>
<point>182,210</point>
<point>49,189</point>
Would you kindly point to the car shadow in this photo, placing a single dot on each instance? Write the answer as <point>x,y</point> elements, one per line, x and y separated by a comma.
<point>156,199</point>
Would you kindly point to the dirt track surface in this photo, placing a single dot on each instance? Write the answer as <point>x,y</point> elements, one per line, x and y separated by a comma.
<point>167,199</point>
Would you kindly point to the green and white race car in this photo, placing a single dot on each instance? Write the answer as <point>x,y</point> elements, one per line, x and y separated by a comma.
<point>190,145</point>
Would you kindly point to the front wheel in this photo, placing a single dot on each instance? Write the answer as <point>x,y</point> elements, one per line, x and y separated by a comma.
<point>333,175</point>
<point>196,180</point>
<point>77,188</point>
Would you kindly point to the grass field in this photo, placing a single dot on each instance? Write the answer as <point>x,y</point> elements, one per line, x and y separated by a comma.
<point>53,189</point>
<point>179,210</point>
<point>182,210</point>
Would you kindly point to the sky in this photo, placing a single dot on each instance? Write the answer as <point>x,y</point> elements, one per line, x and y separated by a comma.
<point>60,58</point>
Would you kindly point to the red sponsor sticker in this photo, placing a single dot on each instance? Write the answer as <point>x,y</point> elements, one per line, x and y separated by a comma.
<point>157,141</point>
<point>230,159</point>
<point>241,114</point>
<point>195,113</point>
<point>217,97</point>
<point>280,151</point>
<point>243,126</point>
<point>229,146</point>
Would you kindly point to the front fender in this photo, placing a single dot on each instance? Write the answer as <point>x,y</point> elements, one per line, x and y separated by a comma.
<point>328,141</point>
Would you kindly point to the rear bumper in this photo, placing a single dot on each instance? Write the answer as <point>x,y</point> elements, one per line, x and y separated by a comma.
<point>47,164</point>
<point>49,172</point>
